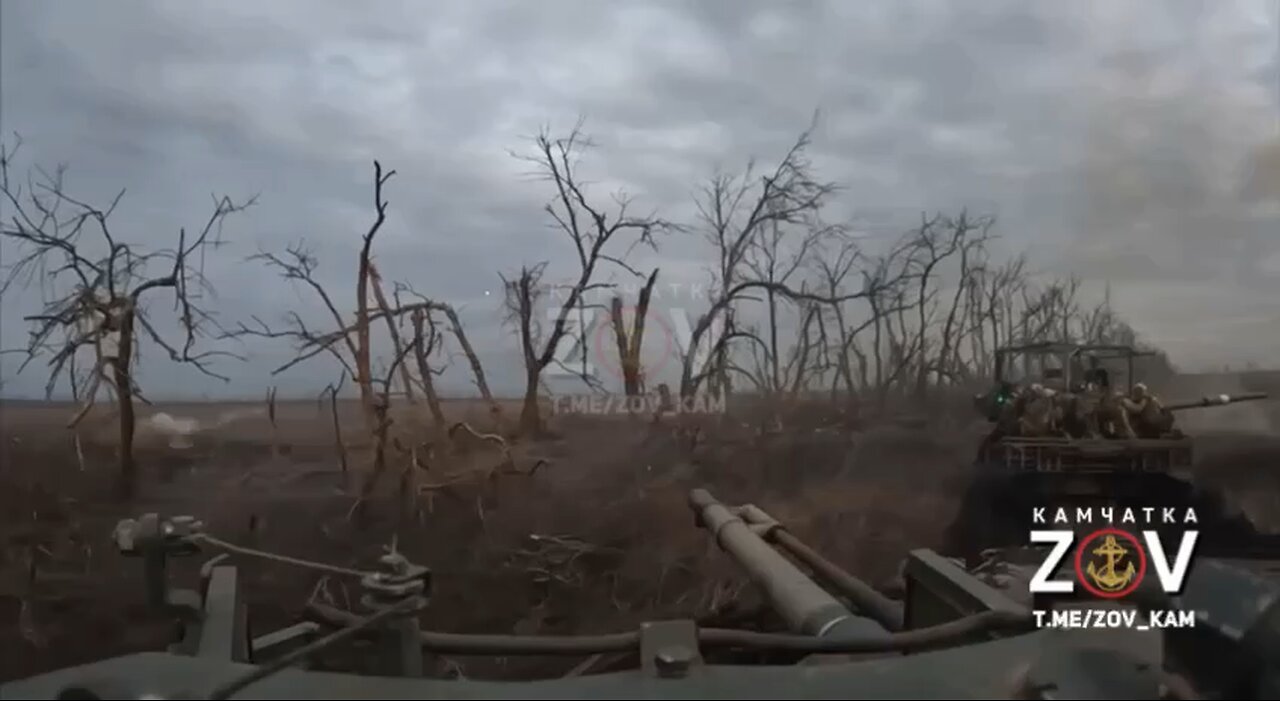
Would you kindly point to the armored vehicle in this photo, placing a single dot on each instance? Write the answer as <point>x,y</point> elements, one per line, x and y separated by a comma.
<point>950,633</point>
<point>1074,425</point>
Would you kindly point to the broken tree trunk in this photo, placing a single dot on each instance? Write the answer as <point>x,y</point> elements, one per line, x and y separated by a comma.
<point>405,378</point>
<point>421,349</point>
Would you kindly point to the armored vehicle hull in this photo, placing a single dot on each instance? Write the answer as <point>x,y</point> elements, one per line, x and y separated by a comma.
<point>998,506</point>
<point>1085,455</point>
<point>955,633</point>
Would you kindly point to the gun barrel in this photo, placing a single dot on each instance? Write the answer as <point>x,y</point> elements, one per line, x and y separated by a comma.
<point>865,600</point>
<point>1219,400</point>
<point>805,606</point>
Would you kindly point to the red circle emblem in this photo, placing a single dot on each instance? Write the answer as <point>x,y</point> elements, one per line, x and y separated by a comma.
<point>1113,566</point>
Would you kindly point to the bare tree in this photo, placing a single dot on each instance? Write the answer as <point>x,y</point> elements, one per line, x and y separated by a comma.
<point>429,307</point>
<point>340,447</point>
<point>934,307</point>
<point>590,229</point>
<point>769,259</point>
<point>629,344</point>
<point>98,285</point>
<point>342,340</point>
<point>382,412</point>
<point>835,267</point>
<point>964,238</point>
<point>948,307</point>
<point>991,310</point>
<point>801,360</point>
<point>393,330</point>
<point>349,342</point>
<point>361,351</point>
<point>299,264</point>
<point>426,339</point>
<point>734,216</point>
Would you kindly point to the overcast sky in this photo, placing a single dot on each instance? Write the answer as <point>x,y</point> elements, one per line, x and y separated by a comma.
<point>1136,143</point>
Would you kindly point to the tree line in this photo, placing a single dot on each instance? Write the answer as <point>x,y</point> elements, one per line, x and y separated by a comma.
<point>923,313</point>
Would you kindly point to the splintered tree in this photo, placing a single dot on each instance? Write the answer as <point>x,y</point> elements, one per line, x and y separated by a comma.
<point>590,229</point>
<point>96,286</point>
<point>630,342</point>
<point>349,341</point>
<point>343,342</point>
<point>298,264</point>
<point>426,339</point>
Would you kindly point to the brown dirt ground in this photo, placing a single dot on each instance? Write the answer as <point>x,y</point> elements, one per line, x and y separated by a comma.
<point>66,597</point>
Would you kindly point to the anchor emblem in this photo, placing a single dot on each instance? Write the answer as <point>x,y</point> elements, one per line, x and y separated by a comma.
<point>1109,577</point>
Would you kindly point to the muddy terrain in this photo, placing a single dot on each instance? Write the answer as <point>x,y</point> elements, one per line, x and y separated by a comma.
<point>597,539</point>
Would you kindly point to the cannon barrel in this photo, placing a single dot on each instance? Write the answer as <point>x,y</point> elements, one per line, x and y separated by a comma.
<point>1219,400</point>
<point>805,606</point>
<point>865,599</point>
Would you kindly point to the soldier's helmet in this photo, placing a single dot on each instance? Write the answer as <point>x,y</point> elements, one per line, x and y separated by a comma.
<point>1139,390</point>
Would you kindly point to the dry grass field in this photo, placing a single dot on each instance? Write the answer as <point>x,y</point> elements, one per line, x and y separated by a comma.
<point>597,539</point>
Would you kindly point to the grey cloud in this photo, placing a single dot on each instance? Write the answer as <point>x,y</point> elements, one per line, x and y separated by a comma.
<point>1132,143</point>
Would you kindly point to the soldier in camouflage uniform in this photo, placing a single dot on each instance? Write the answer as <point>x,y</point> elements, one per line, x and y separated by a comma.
<point>1112,418</point>
<point>1038,415</point>
<point>1145,412</point>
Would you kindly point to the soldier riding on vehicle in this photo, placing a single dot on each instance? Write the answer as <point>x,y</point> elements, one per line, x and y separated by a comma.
<point>1113,420</point>
<point>1038,416</point>
<point>1070,394</point>
<point>1145,412</point>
